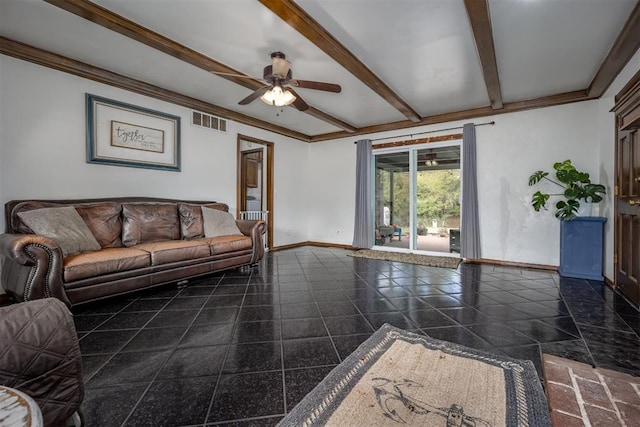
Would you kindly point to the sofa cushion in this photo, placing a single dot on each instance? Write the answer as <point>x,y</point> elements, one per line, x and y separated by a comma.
<point>105,261</point>
<point>64,225</point>
<point>224,244</point>
<point>191,224</point>
<point>175,250</point>
<point>149,222</point>
<point>218,223</point>
<point>103,219</point>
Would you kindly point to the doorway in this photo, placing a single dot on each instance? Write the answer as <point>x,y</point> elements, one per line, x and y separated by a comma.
<point>417,195</point>
<point>626,256</point>
<point>255,182</point>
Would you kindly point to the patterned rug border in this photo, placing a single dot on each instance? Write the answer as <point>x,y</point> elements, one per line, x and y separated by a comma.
<point>520,377</point>
<point>428,260</point>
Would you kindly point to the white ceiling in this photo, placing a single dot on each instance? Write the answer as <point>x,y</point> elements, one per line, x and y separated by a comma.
<point>423,50</point>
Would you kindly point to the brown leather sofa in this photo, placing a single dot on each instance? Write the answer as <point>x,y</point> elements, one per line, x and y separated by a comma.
<point>144,242</point>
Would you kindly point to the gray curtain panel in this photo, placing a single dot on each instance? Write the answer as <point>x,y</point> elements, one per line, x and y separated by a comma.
<point>470,226</point>
<point>363,235</point>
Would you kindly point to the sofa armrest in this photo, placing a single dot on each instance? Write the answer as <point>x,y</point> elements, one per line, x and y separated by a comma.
<point>32,267</point>
<point>41,357</point>
<point>254,229</point>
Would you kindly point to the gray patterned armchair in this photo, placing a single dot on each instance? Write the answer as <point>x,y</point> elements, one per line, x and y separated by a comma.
<point>40,356</point>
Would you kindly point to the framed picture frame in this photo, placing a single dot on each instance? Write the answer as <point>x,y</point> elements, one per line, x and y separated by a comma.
<point>122,134</point>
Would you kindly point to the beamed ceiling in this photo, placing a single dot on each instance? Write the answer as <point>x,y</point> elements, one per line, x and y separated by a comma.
<point>400,63</point>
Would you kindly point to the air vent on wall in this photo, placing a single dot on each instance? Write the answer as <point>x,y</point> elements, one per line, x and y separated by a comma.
<point>208,121</point>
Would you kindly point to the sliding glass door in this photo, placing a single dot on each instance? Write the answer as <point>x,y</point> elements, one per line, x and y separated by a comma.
<point>417,198</point>
<point>392,199</point>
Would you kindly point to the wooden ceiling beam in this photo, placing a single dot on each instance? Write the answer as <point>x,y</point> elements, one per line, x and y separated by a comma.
<point>510,107</point>
<point>68,65</point>
<point>104,17</point>
<point>478,11</point>
<point>302,22</point>
<point>312,111</point>
<point>626,45</point>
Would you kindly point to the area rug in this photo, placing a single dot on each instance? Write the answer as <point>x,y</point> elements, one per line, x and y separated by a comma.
<point>401,378</point>
<point>432,261</point>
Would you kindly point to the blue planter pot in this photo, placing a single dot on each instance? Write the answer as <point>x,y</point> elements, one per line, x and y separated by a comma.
<point>582,248</point>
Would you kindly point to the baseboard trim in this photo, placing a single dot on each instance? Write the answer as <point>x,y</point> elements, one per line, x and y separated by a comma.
<point>290,246</point>
<point>609,282</point>
<point>331,245</point>
<point>512,264</point>
<point>311,243</point>
<point>470,261</point>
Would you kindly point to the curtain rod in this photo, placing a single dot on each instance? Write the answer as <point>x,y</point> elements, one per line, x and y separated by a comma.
<point>411,135</point>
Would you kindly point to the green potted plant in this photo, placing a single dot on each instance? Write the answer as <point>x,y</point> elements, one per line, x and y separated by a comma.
<point>576,185</point>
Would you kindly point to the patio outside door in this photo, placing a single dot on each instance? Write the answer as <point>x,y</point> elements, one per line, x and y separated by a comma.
<point>417,198</point>
<point>438,199</point>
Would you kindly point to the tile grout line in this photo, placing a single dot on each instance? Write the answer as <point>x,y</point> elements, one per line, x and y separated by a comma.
<point>579,399</point>
<point>284,383</point>
<point>135,406</point>
<point>610,396</point>
<point>636,388</point>
<point>172,351</point>
<point>312,261</point>
<point>226,354</point>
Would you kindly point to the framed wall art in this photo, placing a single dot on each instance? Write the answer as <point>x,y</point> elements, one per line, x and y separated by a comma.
<point>122,134</point>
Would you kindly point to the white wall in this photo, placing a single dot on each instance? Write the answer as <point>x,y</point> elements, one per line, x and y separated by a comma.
<point>291,194</point>
<point>332,189</point>
<point>43,148</point>
<point>42,155</point>
<point>508,152</point>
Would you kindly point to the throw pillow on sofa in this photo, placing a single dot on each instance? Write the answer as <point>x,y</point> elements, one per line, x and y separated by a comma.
<point>191,223</point>
<point>218,223</point>
<point>64,225</point>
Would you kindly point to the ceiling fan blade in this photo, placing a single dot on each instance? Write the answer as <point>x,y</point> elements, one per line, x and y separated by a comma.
<point>308,84</point>
<point>257,94</point>
<point>299,102</point>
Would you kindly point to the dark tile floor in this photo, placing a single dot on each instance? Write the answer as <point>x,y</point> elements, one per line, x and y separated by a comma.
<point>243,347</point>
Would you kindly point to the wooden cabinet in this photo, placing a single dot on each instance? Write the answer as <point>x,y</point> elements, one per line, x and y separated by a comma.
<point>252,172</point>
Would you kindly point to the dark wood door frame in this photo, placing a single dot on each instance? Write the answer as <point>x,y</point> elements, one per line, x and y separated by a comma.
<point>269,181</point>
<point>627,190</point>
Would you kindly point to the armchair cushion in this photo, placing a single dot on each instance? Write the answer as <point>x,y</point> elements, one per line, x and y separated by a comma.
<point>40,356</point>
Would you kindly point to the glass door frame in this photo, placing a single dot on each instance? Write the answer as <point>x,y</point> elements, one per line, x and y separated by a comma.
<point>413,180</point>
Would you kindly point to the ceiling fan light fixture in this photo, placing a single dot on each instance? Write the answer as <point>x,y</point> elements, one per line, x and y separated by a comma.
<point>280,67</point>
<point>278,97</point>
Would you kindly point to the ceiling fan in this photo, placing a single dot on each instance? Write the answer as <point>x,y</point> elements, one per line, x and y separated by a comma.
<point>276,92</point>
